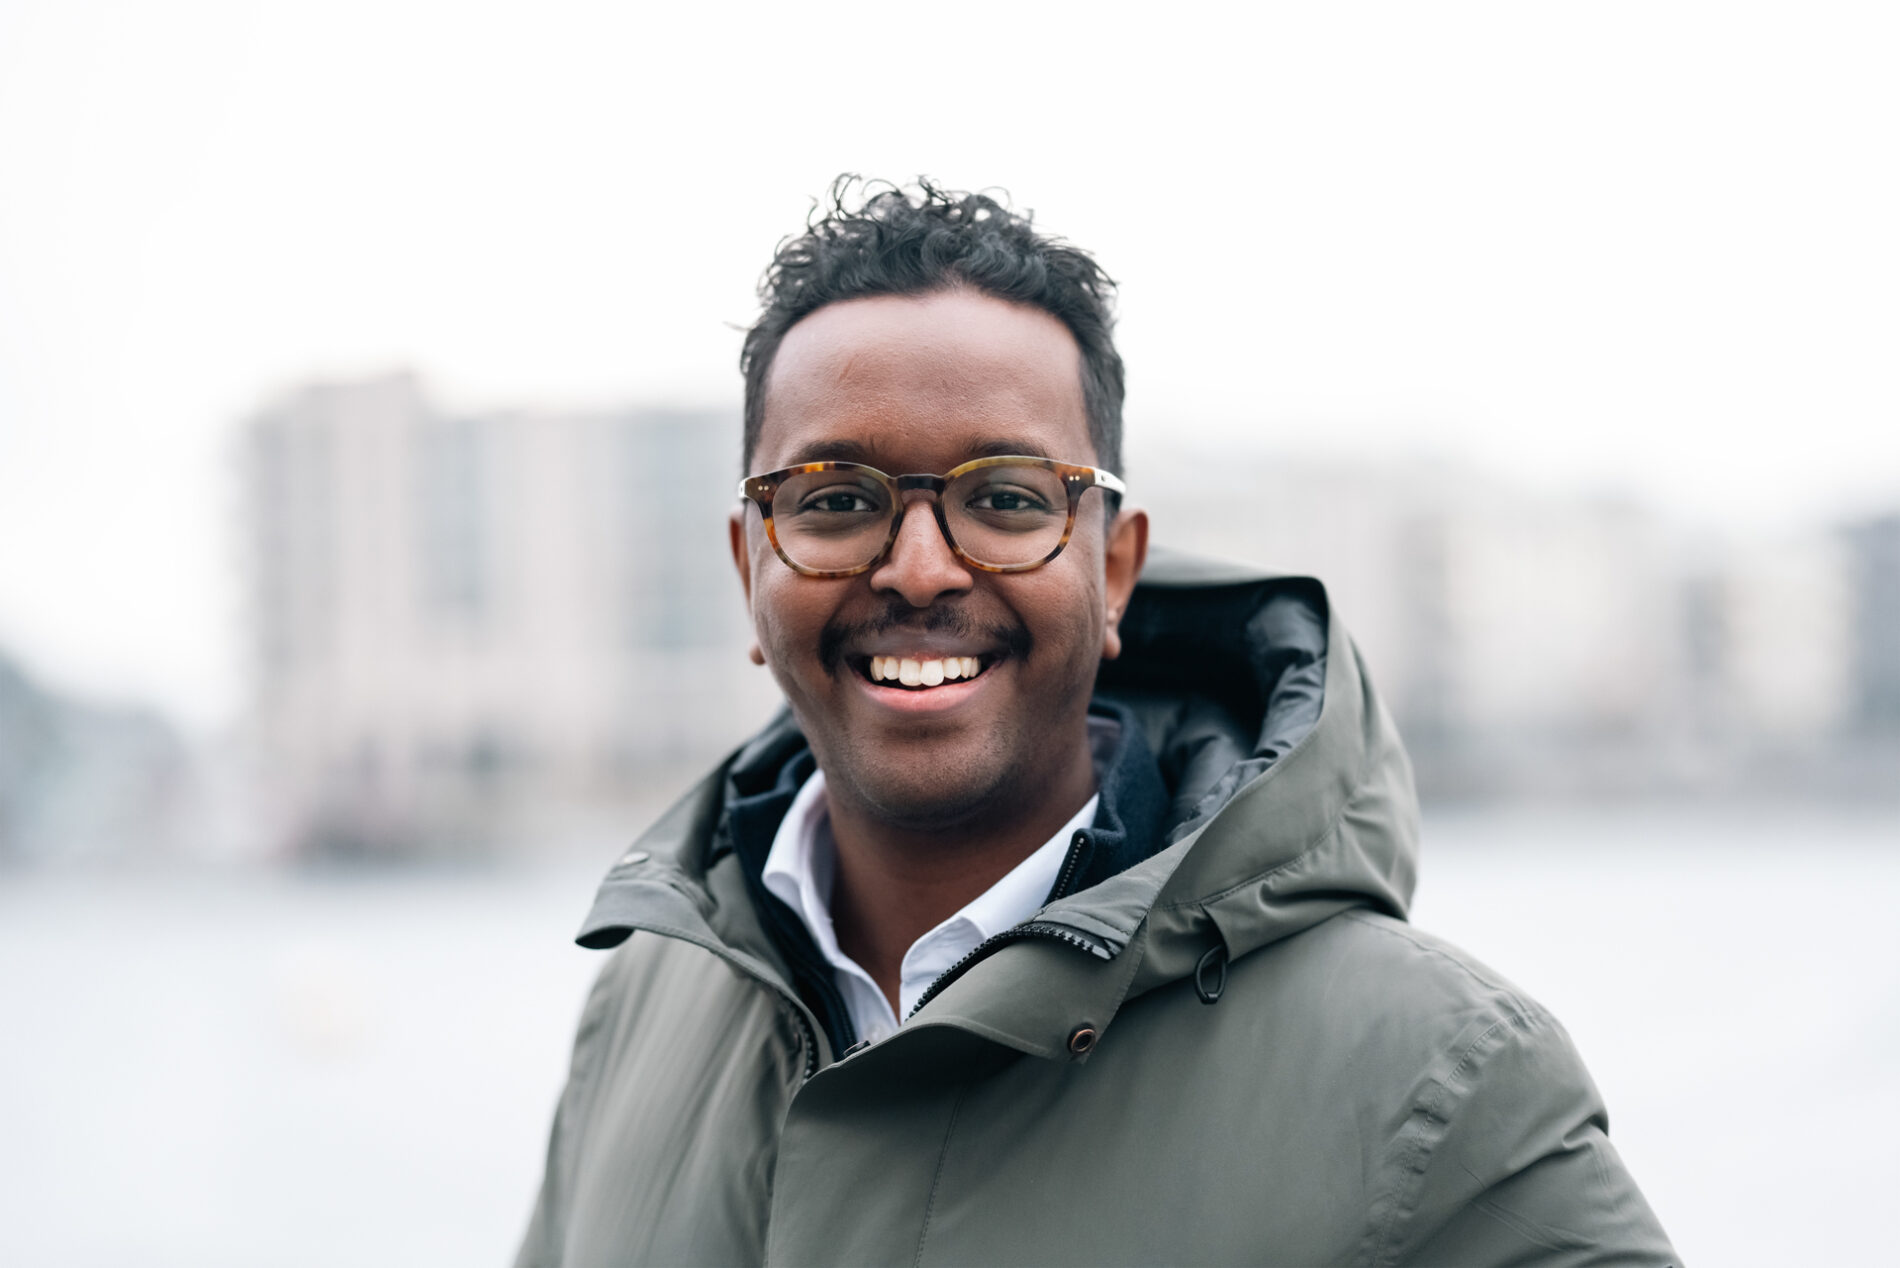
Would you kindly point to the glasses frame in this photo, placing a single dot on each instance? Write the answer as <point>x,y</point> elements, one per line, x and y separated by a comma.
<point>1076,480</point>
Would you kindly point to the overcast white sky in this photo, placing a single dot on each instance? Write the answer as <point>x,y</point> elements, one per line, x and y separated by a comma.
<point>1639,246</point>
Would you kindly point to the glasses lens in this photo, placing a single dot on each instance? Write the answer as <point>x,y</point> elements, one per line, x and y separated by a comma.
<point>1007,514</point>
<point>831,521</point>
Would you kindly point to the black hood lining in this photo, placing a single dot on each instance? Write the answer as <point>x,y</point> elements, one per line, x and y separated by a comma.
<point>1226,681</point>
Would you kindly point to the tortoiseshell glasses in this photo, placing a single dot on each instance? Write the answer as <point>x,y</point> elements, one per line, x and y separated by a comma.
<point>838,519</point>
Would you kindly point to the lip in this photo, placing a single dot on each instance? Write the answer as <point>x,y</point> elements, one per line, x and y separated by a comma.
<point>922,645</point>
<point>930,701</point>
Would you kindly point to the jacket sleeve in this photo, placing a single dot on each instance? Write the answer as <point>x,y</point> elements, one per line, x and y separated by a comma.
<point>1509,1162</point>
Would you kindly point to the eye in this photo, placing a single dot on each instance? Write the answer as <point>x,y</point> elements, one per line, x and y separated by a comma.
<point>1006,499</point>
<point>838,499</point>
<point>841,501</point>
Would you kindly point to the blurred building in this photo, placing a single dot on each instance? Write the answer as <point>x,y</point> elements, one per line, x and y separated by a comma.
<point>1567,644</point>
<point>1491,618</point>
<point>1873,549</point>
<point>467,627</point>
<point>1775,642</point>
<point>83,781</point>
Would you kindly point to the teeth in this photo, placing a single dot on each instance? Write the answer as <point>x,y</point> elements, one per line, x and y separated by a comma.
<point>922,673</point>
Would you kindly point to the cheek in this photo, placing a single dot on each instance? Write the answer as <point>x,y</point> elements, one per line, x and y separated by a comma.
<point>776,617</point>
<point>788,614</point>
<point>1071,624</point>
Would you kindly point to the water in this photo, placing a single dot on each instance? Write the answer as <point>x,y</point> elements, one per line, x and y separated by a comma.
<point>257,1069</point>
<point>1733,982</point>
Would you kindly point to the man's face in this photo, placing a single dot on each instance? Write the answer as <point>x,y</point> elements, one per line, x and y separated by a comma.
<point>920,384</point>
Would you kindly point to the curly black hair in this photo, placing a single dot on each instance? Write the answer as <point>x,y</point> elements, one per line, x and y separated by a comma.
<point>894,240</point>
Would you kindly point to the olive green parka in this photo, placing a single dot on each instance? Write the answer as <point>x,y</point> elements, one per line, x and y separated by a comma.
<point>1234,1050</point>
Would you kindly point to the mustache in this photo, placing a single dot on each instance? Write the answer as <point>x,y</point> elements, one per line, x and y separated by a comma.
<point>898,615</point>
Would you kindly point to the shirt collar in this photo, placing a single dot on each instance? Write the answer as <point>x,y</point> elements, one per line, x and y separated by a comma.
<point>766,776</point>
<point>1021,892</point>
<point>800,867</point>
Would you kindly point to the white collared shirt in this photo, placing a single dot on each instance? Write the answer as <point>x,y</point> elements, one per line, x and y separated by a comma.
<point>802,864</point>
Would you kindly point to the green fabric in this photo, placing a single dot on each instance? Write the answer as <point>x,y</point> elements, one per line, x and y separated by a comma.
<point>1359,1093</point>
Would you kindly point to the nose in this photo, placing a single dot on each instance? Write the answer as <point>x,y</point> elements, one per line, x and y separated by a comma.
<point>921,566</point>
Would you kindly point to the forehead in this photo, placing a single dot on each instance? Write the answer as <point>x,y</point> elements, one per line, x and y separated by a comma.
<point>923,382</point>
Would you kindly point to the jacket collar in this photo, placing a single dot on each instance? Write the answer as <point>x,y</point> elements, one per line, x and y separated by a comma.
<point>1125,830</point>
<point>1128,819</point>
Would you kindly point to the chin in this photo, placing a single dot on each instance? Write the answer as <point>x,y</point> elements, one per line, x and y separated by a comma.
<point>947,794</point>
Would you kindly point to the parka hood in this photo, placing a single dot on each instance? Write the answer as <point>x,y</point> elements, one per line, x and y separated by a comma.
<point>1289,800</point>
<point>1292,797</point>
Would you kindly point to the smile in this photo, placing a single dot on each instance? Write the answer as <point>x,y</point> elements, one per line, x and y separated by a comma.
<point>918,673</point>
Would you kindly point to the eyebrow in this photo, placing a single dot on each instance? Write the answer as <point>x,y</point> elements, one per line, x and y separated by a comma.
<point>866,454</point>
<point>1000,447</point>
<point>834,451</point>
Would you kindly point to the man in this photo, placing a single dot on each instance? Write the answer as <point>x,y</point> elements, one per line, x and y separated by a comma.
<point>1062,919</point>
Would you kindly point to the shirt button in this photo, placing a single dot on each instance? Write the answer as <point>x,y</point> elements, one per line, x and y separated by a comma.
<point>1082,1040</point>
<point>634,856</point>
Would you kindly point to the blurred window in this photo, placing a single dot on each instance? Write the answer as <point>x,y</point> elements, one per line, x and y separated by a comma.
<point>453,459</point>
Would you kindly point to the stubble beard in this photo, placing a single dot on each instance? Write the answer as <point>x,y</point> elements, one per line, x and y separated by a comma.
<point>968,787</point>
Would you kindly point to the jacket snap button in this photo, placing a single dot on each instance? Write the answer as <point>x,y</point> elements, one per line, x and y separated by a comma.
<point>1082,1040</point>
<point>634,856</point>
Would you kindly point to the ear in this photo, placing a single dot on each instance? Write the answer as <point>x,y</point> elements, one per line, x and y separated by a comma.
<point>742,560</point>
<point>1126,552</point>
<point>741,552</point>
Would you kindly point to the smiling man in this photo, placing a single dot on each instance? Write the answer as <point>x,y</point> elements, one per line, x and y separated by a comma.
<point>1062,917</point>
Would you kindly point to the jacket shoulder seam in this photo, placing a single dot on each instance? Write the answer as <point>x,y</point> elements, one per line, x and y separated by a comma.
<point>1519,1006</point>
<point>1431,1114</point>
<point>1414,1154</point>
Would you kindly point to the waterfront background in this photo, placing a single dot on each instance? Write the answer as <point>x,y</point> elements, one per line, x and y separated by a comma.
<point>368,420</point>
<point>244,1067</point>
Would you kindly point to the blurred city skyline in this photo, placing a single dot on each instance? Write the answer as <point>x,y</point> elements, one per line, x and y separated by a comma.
<point>497,631</point>
<point>1639,248</point>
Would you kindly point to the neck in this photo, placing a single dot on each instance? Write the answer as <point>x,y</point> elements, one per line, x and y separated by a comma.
<point>895,882</point>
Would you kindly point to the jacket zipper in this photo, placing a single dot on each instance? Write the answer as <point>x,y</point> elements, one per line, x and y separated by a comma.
<point>808,1036</point>
<point>1058,932</point>
<point>1069,865</point>
<point>806,1033</point>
